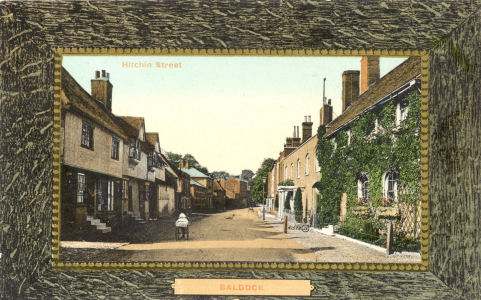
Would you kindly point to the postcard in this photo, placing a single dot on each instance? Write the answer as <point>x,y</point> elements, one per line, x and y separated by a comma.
<point>235,160</point>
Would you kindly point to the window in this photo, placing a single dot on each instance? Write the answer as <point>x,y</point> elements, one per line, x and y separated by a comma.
<point>80,187</point>
<point>298,168</point>
<point>292,167</point>
<point>150,160</point>
<point>115,147</point>
<point>285,172</point>
<point>307,165</point>
<point>363,189</point>
<point>134,150</point>
<point>105,195</point>
<point>334,143</point>
<point>317,168</point>
<point>390,187</point>
<point>125,189</point>
<point>87,140</point>
<point>349,137</point>
<point>401,111</point>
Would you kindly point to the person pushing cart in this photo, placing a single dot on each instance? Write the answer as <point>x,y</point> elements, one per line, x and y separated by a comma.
<point>182,227</point>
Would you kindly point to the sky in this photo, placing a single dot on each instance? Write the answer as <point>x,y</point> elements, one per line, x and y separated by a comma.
<point>229,112</point>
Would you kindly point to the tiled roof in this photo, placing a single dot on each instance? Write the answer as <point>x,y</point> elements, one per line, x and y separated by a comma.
<point>194,173</point>
<point>74,97</point>
<point>152,137</point>
<point>193,182</point>
<point>131,125</point>
<point>403,73</point>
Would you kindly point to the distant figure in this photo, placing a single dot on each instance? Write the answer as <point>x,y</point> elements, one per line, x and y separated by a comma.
<point>182,223</point>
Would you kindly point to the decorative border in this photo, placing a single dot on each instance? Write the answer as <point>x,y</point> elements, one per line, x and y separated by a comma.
<point>58,265</point>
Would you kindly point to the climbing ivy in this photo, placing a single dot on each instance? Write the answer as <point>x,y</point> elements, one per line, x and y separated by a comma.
<point>373,152</point>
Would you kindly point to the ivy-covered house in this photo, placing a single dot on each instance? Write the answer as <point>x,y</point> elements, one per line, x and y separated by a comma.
<point>369,156</point>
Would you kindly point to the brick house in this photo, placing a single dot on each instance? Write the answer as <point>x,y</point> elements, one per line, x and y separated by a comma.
<point>201,187</point>
<point>361,91</point>
<point>235,191</point>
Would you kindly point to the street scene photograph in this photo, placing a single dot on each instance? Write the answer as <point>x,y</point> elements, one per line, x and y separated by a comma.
<point>240,158</point>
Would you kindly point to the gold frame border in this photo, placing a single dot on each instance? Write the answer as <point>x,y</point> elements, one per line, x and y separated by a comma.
<point>58,265</point>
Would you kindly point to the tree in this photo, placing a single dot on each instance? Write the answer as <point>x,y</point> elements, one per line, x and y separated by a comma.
<point>174,158</point>
<point>247,175</point>
<point>287,201</point>
<point>259,182</point>
<point>219,174</point>
<point>298,205</point>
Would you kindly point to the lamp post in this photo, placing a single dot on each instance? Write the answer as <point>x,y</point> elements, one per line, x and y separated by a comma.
<point>264,207</point>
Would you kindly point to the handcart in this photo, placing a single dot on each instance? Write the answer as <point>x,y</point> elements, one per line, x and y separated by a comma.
<point>182,227</point>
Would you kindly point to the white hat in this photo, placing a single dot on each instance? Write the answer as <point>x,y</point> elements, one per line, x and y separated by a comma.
<point>182,215</point>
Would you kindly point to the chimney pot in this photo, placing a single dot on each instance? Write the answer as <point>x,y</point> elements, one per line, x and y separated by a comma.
<point>102,90</point>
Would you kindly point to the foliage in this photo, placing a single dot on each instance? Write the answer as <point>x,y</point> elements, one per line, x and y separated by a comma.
<point>287,182</point>
<point>176,158</point>
<point>298,205</point>
<point>371,152</point>
<point>219,175</point>
<point>247,175</point>
<point>259,182</point>
<point>287,201</point>
<point>366,230</point>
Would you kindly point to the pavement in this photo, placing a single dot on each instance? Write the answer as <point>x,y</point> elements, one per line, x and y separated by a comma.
<point>236,235</point>
<point>338,248</point>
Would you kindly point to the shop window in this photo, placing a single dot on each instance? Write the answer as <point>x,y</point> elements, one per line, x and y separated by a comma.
<point>81,188</point>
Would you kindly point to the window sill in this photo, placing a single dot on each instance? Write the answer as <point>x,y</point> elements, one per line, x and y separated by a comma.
<point>87,147</point>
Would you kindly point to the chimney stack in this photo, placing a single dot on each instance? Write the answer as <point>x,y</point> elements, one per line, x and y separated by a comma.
<point>296,140</point>
<point>186,164</point>
<point>326,113</point>
<point>102,89</point>
<point>306,128</point>
<point>369,71</point>
<point>350,88</point>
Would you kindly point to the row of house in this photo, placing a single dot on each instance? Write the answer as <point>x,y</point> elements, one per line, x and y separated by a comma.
<point>113,170</point>
<point>362,92</point>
